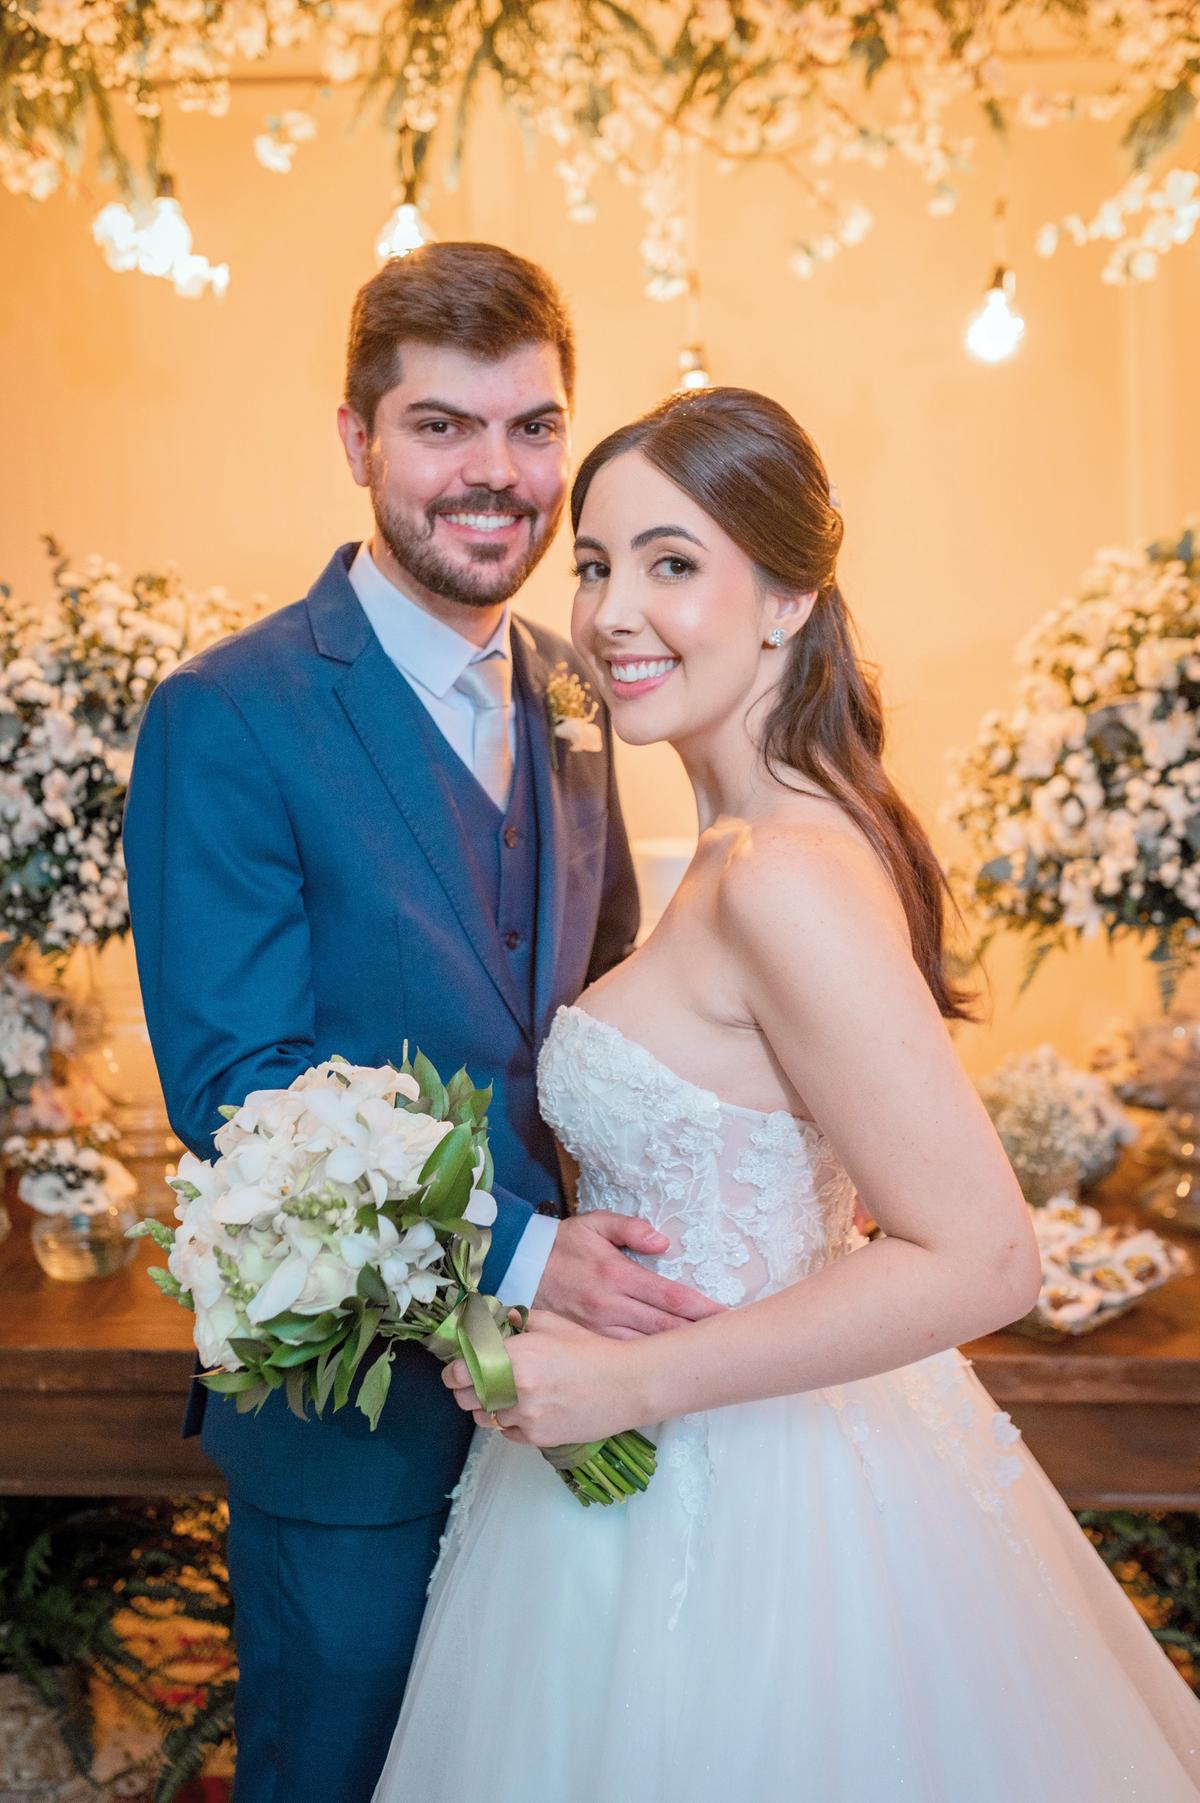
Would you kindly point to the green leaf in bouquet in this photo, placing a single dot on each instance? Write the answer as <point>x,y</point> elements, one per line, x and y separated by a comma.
<point>373,1390</point>
<point>367,1218</point>
<point>295,1394</point>
<point>249,1351</point>
<point>443,1171</point>
<point>431,1086</point>
<point>459,1090</point>
<point>227,1110</point>
<point>285,1358</point>
<point>250,1401</point>
<point>371,1287</point>
<point>289,1326</point>
<point>230,1383</point>
<point>326,1372</point>
<point>352,1353</point>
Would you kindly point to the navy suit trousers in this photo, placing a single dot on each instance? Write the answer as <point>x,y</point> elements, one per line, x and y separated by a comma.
<point>324,1645</point>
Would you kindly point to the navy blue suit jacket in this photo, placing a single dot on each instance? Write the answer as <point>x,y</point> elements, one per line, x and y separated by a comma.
<point>300,886</point>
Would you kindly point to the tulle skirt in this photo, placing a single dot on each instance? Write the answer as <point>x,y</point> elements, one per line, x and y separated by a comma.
<point>851,1596</point>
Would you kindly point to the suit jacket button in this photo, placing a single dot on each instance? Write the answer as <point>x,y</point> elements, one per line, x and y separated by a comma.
<point>512,941</point>
<point>511,837</point>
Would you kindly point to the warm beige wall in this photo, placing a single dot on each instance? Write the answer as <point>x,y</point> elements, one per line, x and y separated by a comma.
<point>154,428</point>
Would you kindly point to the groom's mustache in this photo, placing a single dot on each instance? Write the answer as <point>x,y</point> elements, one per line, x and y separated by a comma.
<point>484,501</point>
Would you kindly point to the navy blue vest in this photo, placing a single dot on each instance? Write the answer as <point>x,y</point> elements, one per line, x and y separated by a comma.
<point>502,847</point>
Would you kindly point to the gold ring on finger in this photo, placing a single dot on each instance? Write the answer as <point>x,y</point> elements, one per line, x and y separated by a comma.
<point>495,1419</point>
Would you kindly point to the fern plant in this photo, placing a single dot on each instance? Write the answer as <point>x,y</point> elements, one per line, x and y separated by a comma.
<point>76,1576</point>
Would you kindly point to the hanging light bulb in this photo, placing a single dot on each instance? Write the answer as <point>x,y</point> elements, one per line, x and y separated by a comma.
<point>692,371</point>
<point>995,330</point>
<point>404,232</point>
<point>693,364</point>
<point>157,241</point>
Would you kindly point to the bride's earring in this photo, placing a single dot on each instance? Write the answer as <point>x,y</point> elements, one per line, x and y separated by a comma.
<point>775,638</point>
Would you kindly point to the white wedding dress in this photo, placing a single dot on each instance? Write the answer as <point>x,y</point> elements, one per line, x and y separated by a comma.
<point>864,1594</point>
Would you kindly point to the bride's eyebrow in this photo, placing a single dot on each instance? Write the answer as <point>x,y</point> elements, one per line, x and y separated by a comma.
<point>652,532</point>
<point>589,544</point>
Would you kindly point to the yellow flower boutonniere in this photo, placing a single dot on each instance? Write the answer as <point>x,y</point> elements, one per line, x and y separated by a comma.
<point>572,713</point>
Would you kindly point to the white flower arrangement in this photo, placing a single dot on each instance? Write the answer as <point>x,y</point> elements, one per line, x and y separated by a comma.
<point>843,84</point>
<point>70,1173</point>
<point>34,1027</point>
<point>1080,804</point>
<point>74,680</point>
<point>1052,1119</point>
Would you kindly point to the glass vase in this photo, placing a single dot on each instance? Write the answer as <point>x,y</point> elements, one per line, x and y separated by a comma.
<point>115,1051</point>
<point>74,1248</point>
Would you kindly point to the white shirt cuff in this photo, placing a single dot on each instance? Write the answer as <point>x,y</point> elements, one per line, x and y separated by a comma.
<point>518,1286</point>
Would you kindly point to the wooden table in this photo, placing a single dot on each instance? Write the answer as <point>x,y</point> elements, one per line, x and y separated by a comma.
<point>93,1378</point>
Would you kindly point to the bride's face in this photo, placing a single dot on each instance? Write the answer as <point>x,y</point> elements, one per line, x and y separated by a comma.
<point>669,611</point>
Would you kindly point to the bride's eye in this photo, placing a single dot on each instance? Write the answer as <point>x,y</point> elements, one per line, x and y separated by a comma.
<point>589,569</point>
<point>673,568</point>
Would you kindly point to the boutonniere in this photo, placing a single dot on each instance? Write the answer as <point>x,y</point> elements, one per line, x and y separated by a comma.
<point>572,713</point>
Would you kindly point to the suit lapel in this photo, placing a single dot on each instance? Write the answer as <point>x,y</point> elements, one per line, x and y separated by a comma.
<point>393,728</point>
<point>532,674</point>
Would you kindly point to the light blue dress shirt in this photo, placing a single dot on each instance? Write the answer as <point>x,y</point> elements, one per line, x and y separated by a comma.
<point>431,657</point>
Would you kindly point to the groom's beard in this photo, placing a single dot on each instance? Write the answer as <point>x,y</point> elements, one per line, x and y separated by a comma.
<point>414,549</point>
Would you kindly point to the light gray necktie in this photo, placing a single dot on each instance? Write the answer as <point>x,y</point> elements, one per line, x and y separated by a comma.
<point>487,683</point>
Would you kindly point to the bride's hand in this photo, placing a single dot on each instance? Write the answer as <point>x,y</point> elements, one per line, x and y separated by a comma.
<point>572,1385</point>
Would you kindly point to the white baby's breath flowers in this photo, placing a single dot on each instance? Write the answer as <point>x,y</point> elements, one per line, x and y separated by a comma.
<point>1080,804</point>
<point>812,88</point>
<point>1053,1119</point>
<point>74,680</point>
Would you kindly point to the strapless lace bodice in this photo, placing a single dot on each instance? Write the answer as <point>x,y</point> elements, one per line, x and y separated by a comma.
<point>751,1202</point>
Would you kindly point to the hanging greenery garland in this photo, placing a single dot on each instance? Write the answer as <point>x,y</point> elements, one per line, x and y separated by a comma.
<point>810,86</point>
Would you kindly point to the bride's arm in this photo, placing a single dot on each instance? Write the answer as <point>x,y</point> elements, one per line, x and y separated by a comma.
<point>821,951</point>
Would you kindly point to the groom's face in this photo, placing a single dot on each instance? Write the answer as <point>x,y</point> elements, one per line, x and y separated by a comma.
<point>467,464</point>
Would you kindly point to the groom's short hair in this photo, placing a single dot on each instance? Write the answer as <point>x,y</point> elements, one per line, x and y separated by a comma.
<point>476,298</point>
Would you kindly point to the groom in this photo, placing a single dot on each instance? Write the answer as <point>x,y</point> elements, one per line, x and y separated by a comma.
<point>347,827</point>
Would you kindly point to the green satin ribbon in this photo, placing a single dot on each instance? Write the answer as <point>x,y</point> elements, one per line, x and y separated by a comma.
<point>475,1331</point>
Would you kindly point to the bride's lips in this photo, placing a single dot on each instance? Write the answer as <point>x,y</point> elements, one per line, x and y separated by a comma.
<point>629,677</point>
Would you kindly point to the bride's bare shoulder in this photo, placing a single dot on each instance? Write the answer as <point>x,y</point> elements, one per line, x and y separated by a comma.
<point>805,864</point>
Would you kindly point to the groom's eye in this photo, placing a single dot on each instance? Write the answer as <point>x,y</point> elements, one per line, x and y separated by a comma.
<point>438,428</point>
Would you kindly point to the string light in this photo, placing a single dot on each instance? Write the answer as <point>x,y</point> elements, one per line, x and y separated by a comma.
<point>995,330</point>
<point>693,361</point>
<point>403,233</point>
<point>157,240</point>
<point>692,371</point>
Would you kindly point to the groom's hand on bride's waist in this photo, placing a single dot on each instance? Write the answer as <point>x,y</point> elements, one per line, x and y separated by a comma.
<point>588,1279</point>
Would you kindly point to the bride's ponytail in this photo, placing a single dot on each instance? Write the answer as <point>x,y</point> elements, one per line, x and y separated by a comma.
<point>745,461</point>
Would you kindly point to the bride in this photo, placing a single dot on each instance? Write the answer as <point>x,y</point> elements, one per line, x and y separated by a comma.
<point>848,1582</point>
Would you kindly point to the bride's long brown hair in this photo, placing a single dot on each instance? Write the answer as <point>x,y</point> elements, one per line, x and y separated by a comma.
<point>745,461</point>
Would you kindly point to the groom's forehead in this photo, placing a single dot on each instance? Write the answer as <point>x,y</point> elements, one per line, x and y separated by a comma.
<point>523,380</point>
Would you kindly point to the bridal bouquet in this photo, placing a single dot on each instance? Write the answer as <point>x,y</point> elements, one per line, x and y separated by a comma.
<point>344,1215</point>
<point>1081,803</point>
